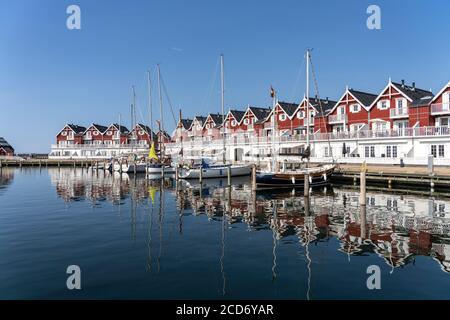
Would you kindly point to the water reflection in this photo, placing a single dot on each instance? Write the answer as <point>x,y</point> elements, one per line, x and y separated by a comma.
<point>395,227</point>
<point>6,178</point>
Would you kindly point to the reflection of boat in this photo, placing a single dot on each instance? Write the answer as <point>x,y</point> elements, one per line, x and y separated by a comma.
<point>156,168</point>
<point>318,176</point>
<point>216,182</point>
<point>215,171</point>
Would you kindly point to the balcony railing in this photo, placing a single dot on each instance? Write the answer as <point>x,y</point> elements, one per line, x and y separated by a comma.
<point>236,140</point>
<point>99,146</point>
<point>399,113</point>
<point>440,108</point>
<point>337,118</point>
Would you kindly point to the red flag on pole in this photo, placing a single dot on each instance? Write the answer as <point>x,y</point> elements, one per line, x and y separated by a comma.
<point>272,92</point>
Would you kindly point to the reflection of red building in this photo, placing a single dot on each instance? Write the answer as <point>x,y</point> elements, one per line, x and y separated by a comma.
<point>5,148</point>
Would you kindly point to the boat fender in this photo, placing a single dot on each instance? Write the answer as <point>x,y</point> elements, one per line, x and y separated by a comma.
<point>293,179</point>
<point>324,177</point>
<point>310,179</point>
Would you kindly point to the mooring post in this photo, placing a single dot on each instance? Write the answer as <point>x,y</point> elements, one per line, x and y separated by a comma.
<point>362,184</point>
<point>306,186</point>
<point>104,166</point>
<point>176,173</point>
<point>134,167</point>
<point>162,171</point>
<point>253,177</point>
<point>363,222</point>
<point>229,175</point>
<point>1,164</point>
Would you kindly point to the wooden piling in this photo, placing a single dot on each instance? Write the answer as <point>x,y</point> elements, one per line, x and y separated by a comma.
<point>362,184</point>
<point>306,186</point>
<point>134,168</point>
<point>176,173</point>
<point>229,175</point>
<point>200,176</point>
<point>253,177</point>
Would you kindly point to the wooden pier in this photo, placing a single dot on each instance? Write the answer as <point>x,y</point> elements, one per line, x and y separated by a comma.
<point>394,176</point>
<point>47,163</point>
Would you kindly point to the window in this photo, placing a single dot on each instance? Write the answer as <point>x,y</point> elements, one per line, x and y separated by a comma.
<point>433,150</point>
<point>383,104</point>
<point>300,114</point>
<point>95,133</point>
<point>443,122</point>
<point>341,110</point>
<point>356,108</point>
<point>109,133</point>
<point>441,151</point>
<point>391,151</point>
<point>233,123</point>
<point>282,117</point>
<point>369,151</point>
<point>399,103</point>
<point>328,151</point>
<point>246,121</point>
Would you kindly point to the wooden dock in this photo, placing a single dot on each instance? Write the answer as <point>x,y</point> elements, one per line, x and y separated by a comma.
<point>48,163</point>
<point>395,176</point>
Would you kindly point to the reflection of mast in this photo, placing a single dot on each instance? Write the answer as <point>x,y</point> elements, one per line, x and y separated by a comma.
<point>161,217</point>
<point>307,247</point>
<point>274,236</point>
<point>149,244</point>
<point>222,257</point>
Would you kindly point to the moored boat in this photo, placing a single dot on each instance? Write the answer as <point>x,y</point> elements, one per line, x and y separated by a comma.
<point>215,171</point>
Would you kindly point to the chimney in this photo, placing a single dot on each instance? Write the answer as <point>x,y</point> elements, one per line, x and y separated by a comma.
<point>403,83</point>
<point>413,86</point>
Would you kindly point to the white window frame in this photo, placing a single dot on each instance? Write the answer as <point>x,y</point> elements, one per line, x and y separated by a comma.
<point>282,117</point>
<point>246,122</point>
<point>233,123</point>
<point>380,104</point>
<point>352,108</point>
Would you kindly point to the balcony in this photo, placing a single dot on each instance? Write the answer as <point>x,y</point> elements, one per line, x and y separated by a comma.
<point>399,113</point>
<point>440,108</point>
<point>337,118</point>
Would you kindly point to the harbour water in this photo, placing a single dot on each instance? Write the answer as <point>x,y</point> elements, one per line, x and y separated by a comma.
<point>156,239</point>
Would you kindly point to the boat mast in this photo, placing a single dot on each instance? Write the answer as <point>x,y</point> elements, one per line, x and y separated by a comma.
<point>161,113</point>
<point>120,131</point>
<point>307,103</point>
<point>223,107</point>
<point>273,128</point>
<point>150,105</point>
<point>133,111</point>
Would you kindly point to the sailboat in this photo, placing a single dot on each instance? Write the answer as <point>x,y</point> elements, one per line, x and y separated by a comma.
<point>285,177</point>
<point>207,170</point>
<point>155,167</point>
<point>131,163</point>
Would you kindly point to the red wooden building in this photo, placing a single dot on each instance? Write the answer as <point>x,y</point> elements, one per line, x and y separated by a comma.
<point>400,106</point>
<point>351,111</point>
<point>70,134</point>
<point>440,107</point>
<point>5,148</point>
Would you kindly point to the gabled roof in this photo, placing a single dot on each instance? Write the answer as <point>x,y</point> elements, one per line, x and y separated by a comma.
<point>145,128</point>
<point>186,123</point>
<point>122,129</point>
<point>363,98</point>
<point>5,144</point>
<point>216,118</point>
<point>415,94</point>
<point>288,107</point>
<point>260,113</point>
<point>237,114</point>
<point>76,128</point>
<point>200,119</point>
<point>441,91</point>
<point>99,127</point>
<point>322,106</point>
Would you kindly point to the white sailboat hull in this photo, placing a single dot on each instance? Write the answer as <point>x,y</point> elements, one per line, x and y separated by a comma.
<point>131,168</point>
<point>215,172</point>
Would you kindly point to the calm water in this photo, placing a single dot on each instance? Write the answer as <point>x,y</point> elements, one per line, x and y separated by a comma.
<point>134,238</point>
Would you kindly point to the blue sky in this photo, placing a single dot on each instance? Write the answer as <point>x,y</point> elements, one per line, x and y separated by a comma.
<point>50,75</point>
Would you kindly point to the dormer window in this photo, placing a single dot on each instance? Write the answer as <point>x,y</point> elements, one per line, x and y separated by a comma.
<point>383,104</point>
<point>356,108</point>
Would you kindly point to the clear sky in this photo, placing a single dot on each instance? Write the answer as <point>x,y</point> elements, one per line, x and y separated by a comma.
<point>50,76</point>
